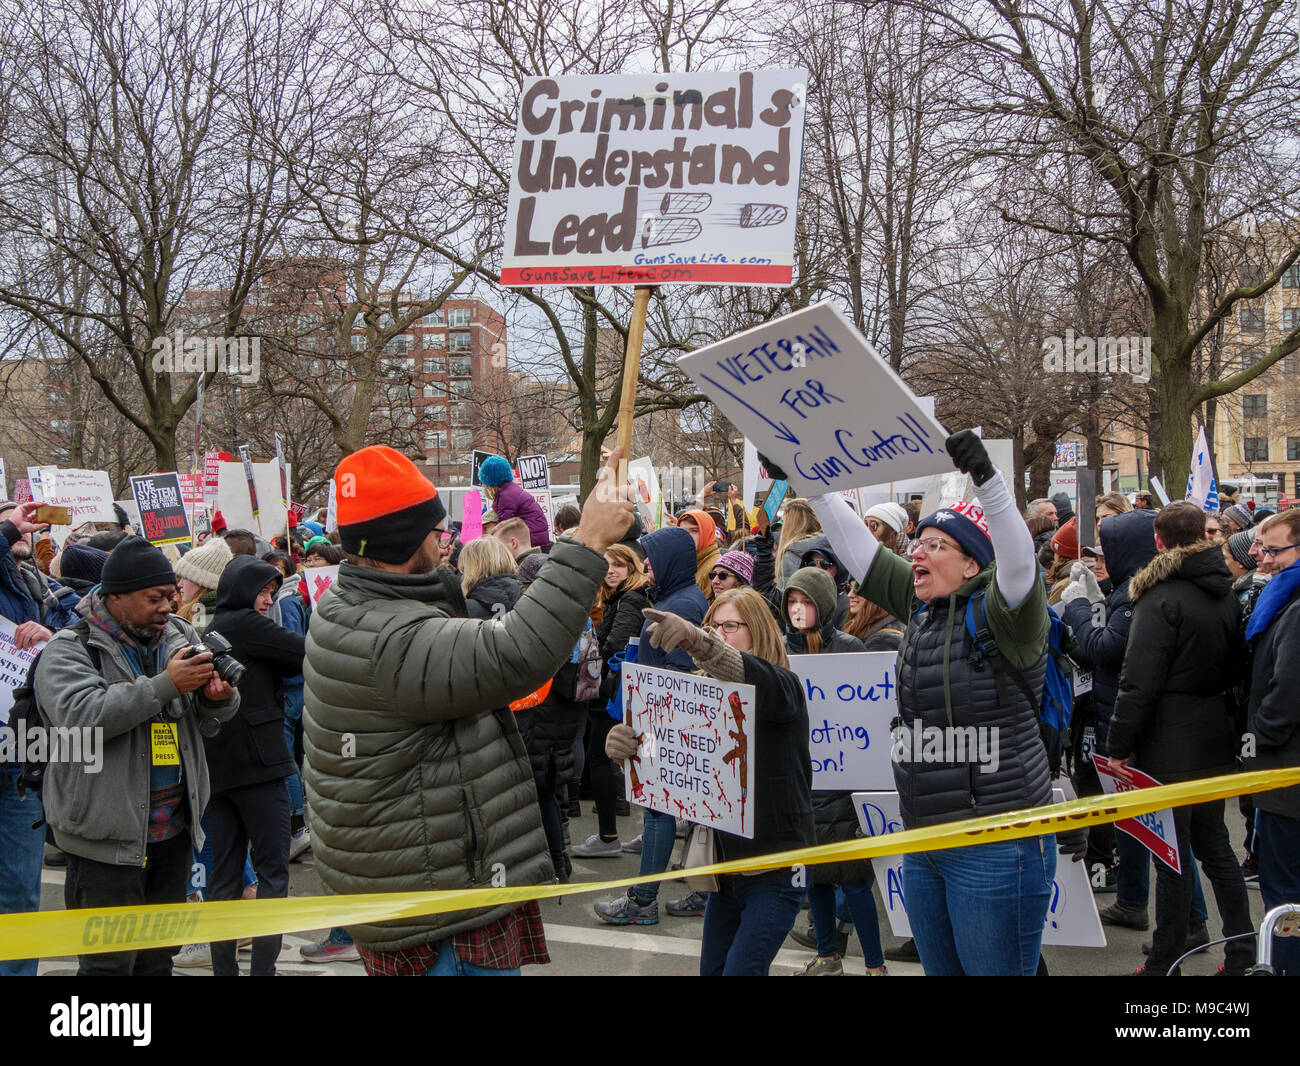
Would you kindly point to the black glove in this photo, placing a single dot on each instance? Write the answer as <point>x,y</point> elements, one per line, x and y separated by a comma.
<point>1074,843</point>
<point>970,457</point>
<point>773,471</point>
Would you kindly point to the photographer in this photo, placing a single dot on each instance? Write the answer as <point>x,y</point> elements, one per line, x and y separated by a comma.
<point>128,829</point>
<point>249,759</point>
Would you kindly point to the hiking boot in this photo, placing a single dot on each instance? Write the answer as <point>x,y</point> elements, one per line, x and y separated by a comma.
<point>905,952</point>
<point>633,846</point>
<point>1198,935</point>
<point>331,949</point>
<point>819,967</point>
<point>595,848</point>
<point>691,906</point>
<point>808,937</point>
<point>1129,917</point>
<point>627,911</point>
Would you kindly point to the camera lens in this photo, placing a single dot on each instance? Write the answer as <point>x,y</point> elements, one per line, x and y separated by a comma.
<point>209,727</point>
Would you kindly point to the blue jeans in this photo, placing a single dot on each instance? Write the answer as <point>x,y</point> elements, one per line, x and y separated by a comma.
<point>860,902</point>
<point>1133,883</point>
<point>450,964</point>
<point>201,871</point>
<point>293,723</point>
<point>658,835</point>
<point>979,911</point>
<point>21,851</point>
<point>745,923</point>
<point>1279,878</point>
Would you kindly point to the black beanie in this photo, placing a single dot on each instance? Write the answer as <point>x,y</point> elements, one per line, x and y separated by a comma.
<point>135,564</point>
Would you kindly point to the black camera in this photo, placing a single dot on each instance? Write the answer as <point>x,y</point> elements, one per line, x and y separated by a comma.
<point>228,668</point>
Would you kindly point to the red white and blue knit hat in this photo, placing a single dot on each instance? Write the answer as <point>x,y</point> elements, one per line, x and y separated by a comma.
<point>964,522</point>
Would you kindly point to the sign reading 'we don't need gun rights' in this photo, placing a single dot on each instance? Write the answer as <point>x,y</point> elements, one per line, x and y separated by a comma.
<point>656,178</point>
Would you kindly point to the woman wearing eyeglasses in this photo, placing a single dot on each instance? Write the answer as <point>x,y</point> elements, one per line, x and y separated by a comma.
<point>978,909</point>
<point>749,917</point>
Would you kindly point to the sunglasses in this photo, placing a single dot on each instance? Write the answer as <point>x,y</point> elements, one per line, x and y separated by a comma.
<point>823,564</point>
<point>720,575</point>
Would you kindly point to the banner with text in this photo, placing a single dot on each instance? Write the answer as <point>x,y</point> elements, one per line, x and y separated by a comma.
<point>163,517</point>
<point>851,701</point>
<point>1154,831</point>
<point>87,494</point>
<point>534,472</point>
<point>14,664</point>
<point>816,398</point>
<point>690,177</point>
<point>696,759</point>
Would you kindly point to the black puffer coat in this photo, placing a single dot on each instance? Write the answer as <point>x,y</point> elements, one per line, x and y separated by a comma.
<point>1172,713</point>
<point>504,589</point>
<point>1274,708</point>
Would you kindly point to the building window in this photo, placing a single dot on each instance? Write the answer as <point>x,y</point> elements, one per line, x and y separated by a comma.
<point>459,366</point>
<point>435,340</point>
<point>399,345</point>
<point>434,392</point>
<point>1254,406</point>
<point>435,439</point>
<point>1290,318</point>
<point>1293,449</point>
<point>459,342</point>
<point>307,344</point>
<point>435,365</point>
<point>1256,449</point>
<point>1297,484</point>
<point>1252,319</point>
<point>462,388</point>
<point>460,414</point>
<point>359,342</point>
<point>1291,276</point>
<point>433,318</point>
<point>458,316</point>
<point>462,438</point>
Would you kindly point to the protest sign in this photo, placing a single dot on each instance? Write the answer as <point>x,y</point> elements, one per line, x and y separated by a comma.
<point>1071,921</point>
<point>317,580</point>
<point>4,481</point>
<point>331,510</point>
<point>296,513</point>
<point>476,461</point>
<point>471,524</point>
<point>14,664</point>
<point>534,472</point>
<point>87,494</point>
<point>772,501</point>
<point>1085,507</point>
<point>233,496</point>
<point>23,491</point>
<point>132,513</point>
<point>817,399</point>
<point>212,476</point>
<point>647,496</point>
<point>34,481</point>
<point>851,699</point>
<point>543,498</point>
<point>1159,491</point>
<point>690,177</point>
<point>163,516</point>
<point>191,490</point>
<point>696,759</point>
<point>1154,831</point>
<point>284,475</point>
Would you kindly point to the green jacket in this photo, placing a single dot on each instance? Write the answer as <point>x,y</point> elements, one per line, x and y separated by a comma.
<point>416,776</point>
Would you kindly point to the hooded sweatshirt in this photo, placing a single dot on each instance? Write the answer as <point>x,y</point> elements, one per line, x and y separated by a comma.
<point>822,546</point>
<point>251,747</point>
<point>709,551</point>
<point>671,554</point>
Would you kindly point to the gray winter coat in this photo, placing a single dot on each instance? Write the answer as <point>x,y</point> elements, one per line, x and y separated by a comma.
<point>104,816</point>
<point>416,776</point>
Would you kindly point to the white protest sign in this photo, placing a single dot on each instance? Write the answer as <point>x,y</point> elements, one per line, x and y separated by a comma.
<point>331,510</point>
<point>543,498</point>
<point>4,481</point>
<point>816,398</point>
<point>1071,921</point>
<point>689,177</point>
<point>696,759</point>
<point>318,580</point>
<point>648,497</point>
<point>233,501</point>
<point>14,664</point>
<point>1154,831</point>
<point>88,494</point>
<point>34,483</point>
<point>851,698</point>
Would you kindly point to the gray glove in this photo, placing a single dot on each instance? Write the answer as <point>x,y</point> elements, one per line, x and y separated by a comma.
<point>1082,572</point>
<point>669,631</point>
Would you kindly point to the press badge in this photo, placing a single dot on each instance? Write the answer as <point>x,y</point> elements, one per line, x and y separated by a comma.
<point>166,752</point>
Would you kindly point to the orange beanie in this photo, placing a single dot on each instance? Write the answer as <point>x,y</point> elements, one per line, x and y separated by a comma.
<point>385,506</point>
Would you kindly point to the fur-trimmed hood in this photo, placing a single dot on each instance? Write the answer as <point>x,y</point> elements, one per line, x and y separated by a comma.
<point>1201,563</point>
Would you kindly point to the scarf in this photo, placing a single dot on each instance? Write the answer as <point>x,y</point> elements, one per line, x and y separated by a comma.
<point>1276,595</point>
<point>137,654</point>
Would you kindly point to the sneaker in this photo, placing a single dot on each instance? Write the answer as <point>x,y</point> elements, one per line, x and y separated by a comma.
<point>878,971</point>
<point>331,950</point>
<point>1198,935</point>
<point>691,906</point>
<point>595,848</point>
<point>633,846</point>
<point>192,955</point>
<point>819,967</point>
<point>808,937</point>
<point>1129,917</point>
<point>1250,873</point>
<point>299,842</point>
<point>627,911</point>
<point>905,952</point>
<point>55,857</point>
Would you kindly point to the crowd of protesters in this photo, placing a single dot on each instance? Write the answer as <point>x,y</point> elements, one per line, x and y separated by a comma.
<point>438,715</point>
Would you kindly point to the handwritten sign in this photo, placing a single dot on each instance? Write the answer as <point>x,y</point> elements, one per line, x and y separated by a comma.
<point>212,475</point>
<point>1071,921</point>
<point>34,480</point>
<point>543,498</point>
<point>815,397</point>
<point>689,177</point>
<point>471,524</point>
<point>23,490</point>
<point>319,580</point>
<point>851,700</point>
<point>1154,831</point>
<point>87,494</point>
<point>14,664</point>
<point>163,516</point>
<point>696,759</point>
<point>534,472</point>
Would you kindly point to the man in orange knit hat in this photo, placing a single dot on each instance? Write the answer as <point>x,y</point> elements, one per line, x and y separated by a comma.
<point>415,773</point>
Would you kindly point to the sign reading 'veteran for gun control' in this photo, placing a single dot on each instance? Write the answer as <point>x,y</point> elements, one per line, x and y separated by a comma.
<point>656,178</point>
<point>817,399</point>
<point>163,518</point>
<point>851,701</point>
<point>696,759</point>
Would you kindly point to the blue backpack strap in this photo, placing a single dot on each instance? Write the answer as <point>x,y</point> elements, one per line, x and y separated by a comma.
<point>987,646</point>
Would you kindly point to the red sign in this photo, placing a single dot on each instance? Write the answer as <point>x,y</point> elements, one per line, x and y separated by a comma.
<point>1155,830</point>
<point>296,511</point>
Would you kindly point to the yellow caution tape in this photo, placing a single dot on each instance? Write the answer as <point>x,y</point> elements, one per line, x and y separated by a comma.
<point>86,932</point>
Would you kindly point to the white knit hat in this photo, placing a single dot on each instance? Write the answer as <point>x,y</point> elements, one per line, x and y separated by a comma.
<point>891,514</point>
<point>203,565</point>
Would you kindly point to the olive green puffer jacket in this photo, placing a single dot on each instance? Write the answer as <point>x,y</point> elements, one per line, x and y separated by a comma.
<point>415,772</point>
